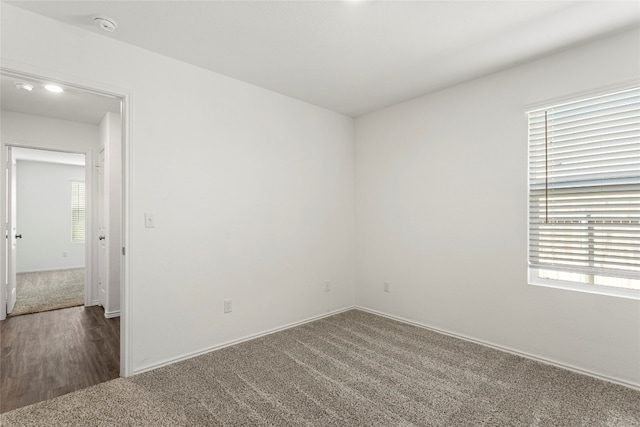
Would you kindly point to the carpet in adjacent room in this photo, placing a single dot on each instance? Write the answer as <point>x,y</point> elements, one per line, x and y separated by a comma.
<point>48,290</point>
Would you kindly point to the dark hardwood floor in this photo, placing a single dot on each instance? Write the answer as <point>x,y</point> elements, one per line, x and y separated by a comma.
<point>44,355</point>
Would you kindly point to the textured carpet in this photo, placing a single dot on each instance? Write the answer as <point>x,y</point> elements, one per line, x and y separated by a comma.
<point>48,290</point>
<point>351,369</point>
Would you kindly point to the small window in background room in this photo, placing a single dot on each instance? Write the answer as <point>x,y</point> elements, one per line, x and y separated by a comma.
<point>77,211</point>
<point>584,194</point>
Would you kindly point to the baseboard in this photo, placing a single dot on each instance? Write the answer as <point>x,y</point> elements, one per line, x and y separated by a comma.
<point>49,269</point>
<point>238,341</point>
<point>111,314</point>
<point>504,349</point>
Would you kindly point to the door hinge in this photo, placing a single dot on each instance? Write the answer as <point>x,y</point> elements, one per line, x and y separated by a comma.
<point>124,252</point>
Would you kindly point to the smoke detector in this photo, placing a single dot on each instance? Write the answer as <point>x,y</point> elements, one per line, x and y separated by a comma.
<point>104,23</point>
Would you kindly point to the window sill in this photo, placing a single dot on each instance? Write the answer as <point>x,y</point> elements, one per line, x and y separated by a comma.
<point>591,289</point>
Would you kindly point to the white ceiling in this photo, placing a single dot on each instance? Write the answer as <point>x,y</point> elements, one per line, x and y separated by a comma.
<point>72,104</point>
<point>352,57</point>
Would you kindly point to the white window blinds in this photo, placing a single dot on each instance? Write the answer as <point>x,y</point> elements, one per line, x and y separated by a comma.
<point>77,211</point>
<point>584,186</point>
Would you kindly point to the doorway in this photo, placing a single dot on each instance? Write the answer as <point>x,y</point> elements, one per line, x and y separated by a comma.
<point>46,197</point>
<point>89,123</point>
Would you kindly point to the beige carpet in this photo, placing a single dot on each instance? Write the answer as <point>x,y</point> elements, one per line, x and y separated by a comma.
<point>48,290</point>
<point>352,369</point>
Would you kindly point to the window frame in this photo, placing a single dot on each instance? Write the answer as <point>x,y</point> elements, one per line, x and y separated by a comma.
<point>533,272</point>
<point>533,278</point>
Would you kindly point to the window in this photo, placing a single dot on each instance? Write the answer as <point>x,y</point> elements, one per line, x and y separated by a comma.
<point>77,211</point>
<point>584,194</point>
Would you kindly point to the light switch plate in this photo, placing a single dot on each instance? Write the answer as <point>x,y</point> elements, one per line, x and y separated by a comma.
<point>149,220</point>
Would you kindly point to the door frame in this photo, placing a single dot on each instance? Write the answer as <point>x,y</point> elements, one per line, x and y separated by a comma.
<point>11,244</point>
<point>27,71</point>
<point>89,291</point>
<point>99,226</point>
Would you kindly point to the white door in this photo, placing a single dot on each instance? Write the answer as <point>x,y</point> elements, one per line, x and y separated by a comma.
<point>12,231</point>
<point>102,234</point>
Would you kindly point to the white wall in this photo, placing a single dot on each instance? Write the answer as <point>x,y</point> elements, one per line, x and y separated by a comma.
<point>252,192</point>
<point>44,217</point>
<point>441,185</point>
<point>46,132</point>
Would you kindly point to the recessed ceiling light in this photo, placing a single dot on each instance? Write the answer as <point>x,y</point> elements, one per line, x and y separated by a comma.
<point>104,23</point>
<point>53,88</point>
<point>24,86</point>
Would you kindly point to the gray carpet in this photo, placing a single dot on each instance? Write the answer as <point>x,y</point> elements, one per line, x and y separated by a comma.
<point>351,369</point>
<point>48,290</point>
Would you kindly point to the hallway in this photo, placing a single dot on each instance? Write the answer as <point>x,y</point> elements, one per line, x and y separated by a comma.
<point>49,354</point>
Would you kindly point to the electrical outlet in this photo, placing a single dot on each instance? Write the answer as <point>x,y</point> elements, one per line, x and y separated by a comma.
<point>228,305</point>
<point>65,254</point>
<point>386,286</point>
<point>327,286</point>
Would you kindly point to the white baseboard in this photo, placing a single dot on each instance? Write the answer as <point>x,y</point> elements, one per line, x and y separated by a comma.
<point>505,349</point>
<point>41,270</point>
<point>111,314</point>
<point>238,341</point>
